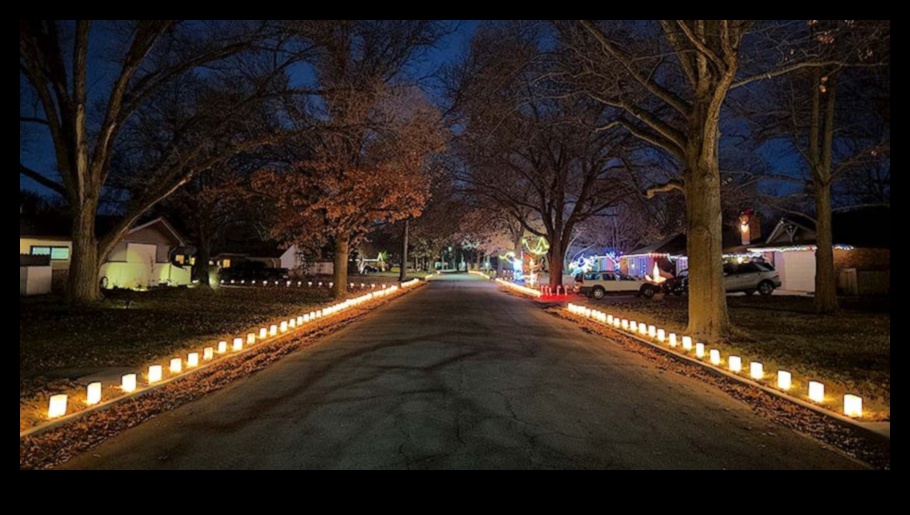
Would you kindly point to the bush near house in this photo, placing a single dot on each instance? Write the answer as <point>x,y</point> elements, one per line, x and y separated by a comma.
<point>850,351</point>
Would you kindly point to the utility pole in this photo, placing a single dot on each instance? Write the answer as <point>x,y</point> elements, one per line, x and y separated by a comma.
<point>404,252</point>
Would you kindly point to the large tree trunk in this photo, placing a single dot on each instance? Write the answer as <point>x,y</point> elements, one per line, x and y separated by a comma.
<point>825,278</point>
<point>708,317</point>
<point>201,269</point>
<point>403,276</point>
<point>342,251</point>
<point>555,257</point>
<point>84,280</point>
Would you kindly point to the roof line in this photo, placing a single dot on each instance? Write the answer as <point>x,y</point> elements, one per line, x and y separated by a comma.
<point>167,224</point>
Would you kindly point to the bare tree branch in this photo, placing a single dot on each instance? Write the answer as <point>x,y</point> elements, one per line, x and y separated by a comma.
<point>42,180</point>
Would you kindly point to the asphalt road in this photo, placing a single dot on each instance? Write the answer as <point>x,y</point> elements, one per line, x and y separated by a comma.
<point>460,376</point>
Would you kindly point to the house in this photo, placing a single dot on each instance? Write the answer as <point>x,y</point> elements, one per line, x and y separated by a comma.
<point>289,259</point>
<point>58,251</point>
<point>150,255</point>
<point>35,275</point>
<point>669,255</point>
<point>862,252</point>
<point>603,264</point>
<point>296,263</point>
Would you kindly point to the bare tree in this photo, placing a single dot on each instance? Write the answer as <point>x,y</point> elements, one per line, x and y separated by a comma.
<point>827,117</point>
<point>86,128</point>
<point>527,145</point>
<point>668,82</point>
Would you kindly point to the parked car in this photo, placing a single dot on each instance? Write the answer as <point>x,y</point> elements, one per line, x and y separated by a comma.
<point>678,285</point>
<point>600,284</point>
<point>748,278</point>
<point>253,271</point>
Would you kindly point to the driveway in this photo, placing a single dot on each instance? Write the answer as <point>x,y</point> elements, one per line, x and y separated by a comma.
<point>461,376</point>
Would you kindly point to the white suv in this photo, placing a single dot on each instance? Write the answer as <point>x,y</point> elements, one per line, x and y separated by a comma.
<point>600,284</point>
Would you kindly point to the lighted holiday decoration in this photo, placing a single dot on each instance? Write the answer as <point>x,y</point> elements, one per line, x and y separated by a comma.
<point>756,371</point>
<point>715,358</point>
<point>273,331</point>
<point>633,327</point>
<point>222,347</point>
<point>176,366</point>
<point>736,364</point>
<point>625,325</point>
<point>250,339</point>
<point>58,406</point>
<point>656,277</point>
<point>816,392</point>
<point>93,394</point>
<point>700,351</point>
<point>292,323</point>
<point>284,327</point>
<point>610,319</point>
<point>652,332</point>
<point>674,342</point>
<point>263,333</point>
<point>192,360</point>
<point>853,406</point>
<point>238,344</point>
<point>784,380</point>
<point>687,343</point>
<point>798,248</point>
<point>661,335</point>
<point>643,330</point>
<point>518,288</point>
<point>128,383</point>
<point>156,373</point>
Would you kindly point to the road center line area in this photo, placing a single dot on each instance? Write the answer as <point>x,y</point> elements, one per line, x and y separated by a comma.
<point>460,376</point>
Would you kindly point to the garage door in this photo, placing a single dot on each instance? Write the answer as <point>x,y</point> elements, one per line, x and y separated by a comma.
<point>797,270</point>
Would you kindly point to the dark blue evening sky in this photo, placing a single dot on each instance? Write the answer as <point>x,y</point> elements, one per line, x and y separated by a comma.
<point>37,151</point>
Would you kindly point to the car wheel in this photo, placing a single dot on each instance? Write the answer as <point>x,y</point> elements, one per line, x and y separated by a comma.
<point>599,293</point>
<point>766,289</point>
<point>648,292</point>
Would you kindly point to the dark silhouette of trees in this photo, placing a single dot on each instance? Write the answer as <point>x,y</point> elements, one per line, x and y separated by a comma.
<point>528,145</point>
<point>89,120</point>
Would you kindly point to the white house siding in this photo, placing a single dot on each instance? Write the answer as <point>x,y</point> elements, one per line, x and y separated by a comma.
<point>136,266</point>
<point>35,280</point>
<point>797,270</point>
<point>290,260</point>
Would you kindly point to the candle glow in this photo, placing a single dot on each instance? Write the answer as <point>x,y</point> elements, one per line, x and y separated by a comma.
<point>93,394</point>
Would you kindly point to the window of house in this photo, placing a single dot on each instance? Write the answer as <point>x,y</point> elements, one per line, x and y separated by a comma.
<point>179,259</point>
<point>226,263</point>
<point>55,253</point>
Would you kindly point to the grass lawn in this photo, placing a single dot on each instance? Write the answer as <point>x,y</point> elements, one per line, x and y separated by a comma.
<point>131,329</point>
<point>850,352</point>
